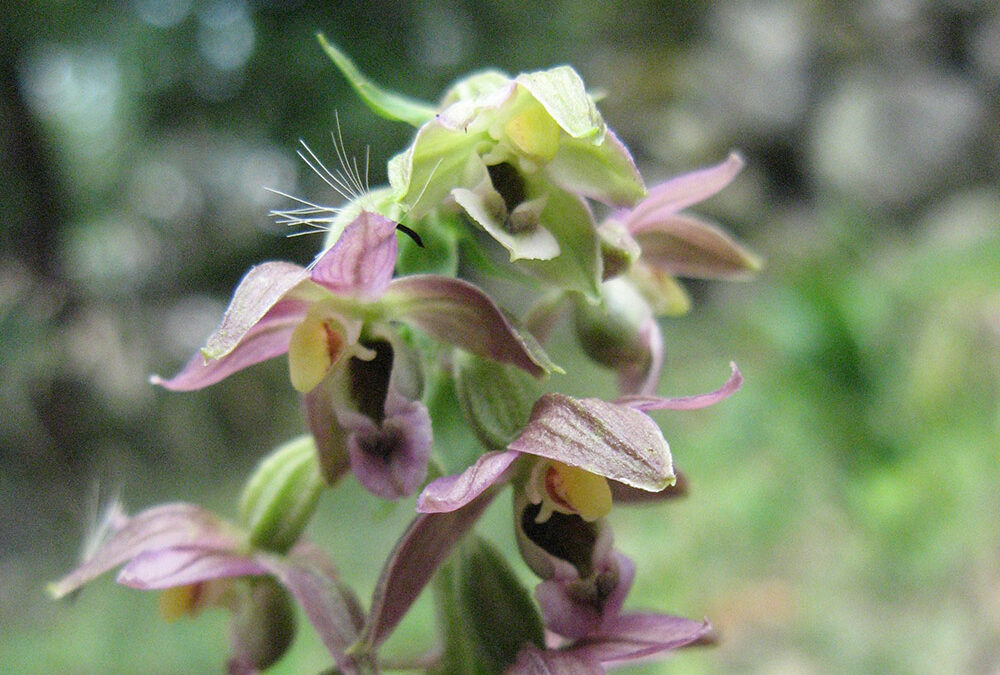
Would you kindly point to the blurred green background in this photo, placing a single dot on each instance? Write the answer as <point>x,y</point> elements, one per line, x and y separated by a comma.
<point>844,507</point>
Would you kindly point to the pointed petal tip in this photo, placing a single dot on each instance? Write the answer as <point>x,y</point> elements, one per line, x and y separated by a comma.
<point>735,160</point>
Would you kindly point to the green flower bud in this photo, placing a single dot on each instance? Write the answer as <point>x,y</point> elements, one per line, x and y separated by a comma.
<point>279,499</point>
<point>263,626</point>
<point>618,249</point>
<point>610,331</point>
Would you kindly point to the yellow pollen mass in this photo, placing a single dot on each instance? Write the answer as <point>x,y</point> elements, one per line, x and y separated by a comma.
<point>312,350</point>
<point>534,133</point>
<point>586,493</point>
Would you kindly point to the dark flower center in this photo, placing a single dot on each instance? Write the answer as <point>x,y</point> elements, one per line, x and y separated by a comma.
<point>509,183</point>
<point>564,535</point>
<point>369,380</point>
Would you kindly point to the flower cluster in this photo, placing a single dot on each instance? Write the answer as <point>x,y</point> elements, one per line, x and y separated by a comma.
<point>391,328</point>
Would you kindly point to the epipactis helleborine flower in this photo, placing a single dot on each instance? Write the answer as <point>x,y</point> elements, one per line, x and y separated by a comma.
<point>199,560</point>
<point>517,156</point>
<point>576,437</point>
<point>583,588</point>
<point>675,244</point>
<point>317,314</point>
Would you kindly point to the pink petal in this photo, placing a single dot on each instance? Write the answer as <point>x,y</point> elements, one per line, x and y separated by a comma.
<point>266,339</point>
<point>411,565</point>
<point>647,403</point>
<point>457,312</point>
<point>565,615</point>
<point>166,568</point>
<point>611,440</point>
<point>263,287</point>
<point>331,610</point>
<point>636,636</point>
<point>689,247</point>
<point>453,492</point>
<point>390,459</point>
<point>158,528</point>
<point>534,661</point>
<point>643,377</point>
<point>360,264</point>
<point>681,192</point>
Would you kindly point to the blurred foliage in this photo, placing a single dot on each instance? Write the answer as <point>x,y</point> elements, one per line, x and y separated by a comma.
<point>843,514</point>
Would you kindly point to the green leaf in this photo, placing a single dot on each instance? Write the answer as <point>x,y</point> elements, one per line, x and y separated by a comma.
<point>488,614</point>
<point>495,398</point>
<point>384,103</point>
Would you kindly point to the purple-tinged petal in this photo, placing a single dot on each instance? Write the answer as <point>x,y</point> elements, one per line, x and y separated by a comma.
<point>626,494</point>
<point>635,636</point>
<point>643,377</point>
<point>647,403</point>
<point>263,287</point>
<point>390,459</point>
<point>614,441</point>
<point>332,611</point>
<point>360,264</point>
<point>453,492</point>
<point>166,568</point>
<point>534,661</point>
<point>266,339</point>
<point>457,312</point>
<point>417,555</point>
<point>160,527</point>
<point>685,246</point>
<point>683,191</point>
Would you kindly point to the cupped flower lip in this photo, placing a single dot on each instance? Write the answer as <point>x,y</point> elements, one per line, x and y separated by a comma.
<point>602,635</point>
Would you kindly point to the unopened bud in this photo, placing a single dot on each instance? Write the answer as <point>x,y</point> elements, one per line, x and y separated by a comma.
<point>263,626</point>
<point>618,249</point>
<point>610,332</point>
<point>280,497</point>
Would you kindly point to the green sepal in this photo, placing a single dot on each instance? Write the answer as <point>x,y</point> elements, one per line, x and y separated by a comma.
<point>280,497</point>
<point>563,95</point>
<point>495,398</point>
<point>610,331</point>
<point>438,160</point>
<point>386,104</point>
<point>578,265</point>
<point>478,84</point>
<point>487,614</point>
